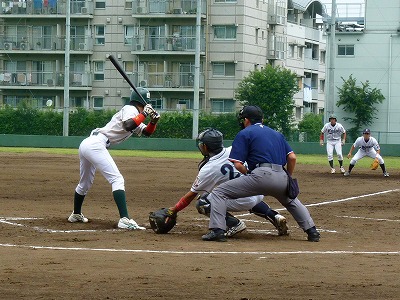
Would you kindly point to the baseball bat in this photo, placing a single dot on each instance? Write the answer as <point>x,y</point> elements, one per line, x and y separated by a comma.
<point>122,72</point>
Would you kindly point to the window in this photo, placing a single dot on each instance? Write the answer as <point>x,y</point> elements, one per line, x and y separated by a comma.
<point>184,104</point>
<point>98,102</point>
<point>221,1</point>
<point>345,50</point>
<point>76,101</point>
<point>128,34</point>
<point>222,105</point>
<point>323,57</point>
<point>291,51</point>
<point>300,52</point>
<point>322,86</point>
<point>99,35</point>
<point>100,4</point>
<point>128,4</point>
<point>157,103</point>
<point>98,70</point>
<point>225,32</point>
<point>224,69</point>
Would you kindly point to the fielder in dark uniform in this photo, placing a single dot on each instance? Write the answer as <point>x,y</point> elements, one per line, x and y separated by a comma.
<point>266,152</point>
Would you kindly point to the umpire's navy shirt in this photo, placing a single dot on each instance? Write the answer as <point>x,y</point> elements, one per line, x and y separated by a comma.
<point>257,144</point>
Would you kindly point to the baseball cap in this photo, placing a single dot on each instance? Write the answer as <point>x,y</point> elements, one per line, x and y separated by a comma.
<point>252,112</point>
<point>366,131</point>
<point>332,116</point>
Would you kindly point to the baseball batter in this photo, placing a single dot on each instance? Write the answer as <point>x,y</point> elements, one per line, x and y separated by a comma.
<point>214,169</point>
<point>266,152</point>
<point>93,155</point>
<point>367,146</point>
<point>334,140</point>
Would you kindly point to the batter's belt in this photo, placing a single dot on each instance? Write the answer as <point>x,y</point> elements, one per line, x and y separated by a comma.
<point>102,136</point>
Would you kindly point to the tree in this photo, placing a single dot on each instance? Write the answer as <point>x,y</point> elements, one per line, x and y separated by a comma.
<point>272,89</point>
<point>311,125</point>
<point>359,102</point>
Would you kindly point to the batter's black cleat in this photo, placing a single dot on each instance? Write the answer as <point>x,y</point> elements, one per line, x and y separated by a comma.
<point>215,235</point>
<point>313,235</point>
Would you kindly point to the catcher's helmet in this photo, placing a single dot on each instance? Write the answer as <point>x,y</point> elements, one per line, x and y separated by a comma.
<point>251,112</point>
<point>212,138</point>
<point>135,97</point>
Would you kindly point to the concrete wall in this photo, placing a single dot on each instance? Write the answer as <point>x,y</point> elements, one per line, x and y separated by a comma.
<point>40,141</point>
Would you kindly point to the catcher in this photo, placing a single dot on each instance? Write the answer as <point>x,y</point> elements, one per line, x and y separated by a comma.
<point>213,170</point>
<point>367,146</point>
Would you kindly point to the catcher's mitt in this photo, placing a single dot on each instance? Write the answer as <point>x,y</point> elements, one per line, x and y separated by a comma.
<point>158,219</point>
<point>375,164</point>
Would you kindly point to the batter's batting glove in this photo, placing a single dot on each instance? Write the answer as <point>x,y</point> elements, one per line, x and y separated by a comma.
<point>154,117</point>
<point>148,109</point>
<point>343,142</point>
<point>321,142</point>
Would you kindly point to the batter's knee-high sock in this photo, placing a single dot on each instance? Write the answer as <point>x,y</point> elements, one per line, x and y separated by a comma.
<point>331,163</point>
<point>120,200</point>
<point>383,168</point>
<point>78,201</point>
<point>263,210</point>
<point>351,167</point>
<point>340,163</point>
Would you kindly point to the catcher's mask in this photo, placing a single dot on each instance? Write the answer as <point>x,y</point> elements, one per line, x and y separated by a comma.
<point>135,97</point>
<point>253,113</point>
<point>212,138</point>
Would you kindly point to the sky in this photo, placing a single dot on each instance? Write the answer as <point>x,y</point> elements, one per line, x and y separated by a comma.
<point>346,8</point>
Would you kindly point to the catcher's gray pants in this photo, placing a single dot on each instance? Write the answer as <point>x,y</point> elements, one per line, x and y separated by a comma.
<point>268,181</point>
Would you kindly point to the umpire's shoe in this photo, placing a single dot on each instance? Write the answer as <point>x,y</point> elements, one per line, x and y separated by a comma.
<point>217,235</point>
<point>313,234</point>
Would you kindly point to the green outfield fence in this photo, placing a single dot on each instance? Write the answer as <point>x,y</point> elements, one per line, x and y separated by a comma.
<point>143,143</point>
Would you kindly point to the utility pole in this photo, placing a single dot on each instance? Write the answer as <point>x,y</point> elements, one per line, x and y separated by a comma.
<point>196,85</point>
<point>66,68</point>
<point>330,95</point>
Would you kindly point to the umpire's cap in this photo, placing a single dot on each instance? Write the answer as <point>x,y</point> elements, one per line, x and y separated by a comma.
<point>135,97</point>
<point>251,112</point>
<point>366,131</point>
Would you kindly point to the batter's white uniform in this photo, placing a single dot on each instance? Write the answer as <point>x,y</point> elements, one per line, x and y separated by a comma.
<point>218,170</point>
<point>366,148</point>
<point>93,153</point>
<point>333,139</point>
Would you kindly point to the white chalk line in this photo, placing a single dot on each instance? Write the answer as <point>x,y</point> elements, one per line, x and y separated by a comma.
<point>202,252</point>
<point>370,219</point>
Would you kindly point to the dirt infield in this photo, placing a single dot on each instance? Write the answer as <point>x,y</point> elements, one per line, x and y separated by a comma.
<point>44,257</point>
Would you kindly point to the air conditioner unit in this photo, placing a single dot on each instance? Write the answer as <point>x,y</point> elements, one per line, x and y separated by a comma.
<point>141,10</point>
<point>82,46</point>
<point>84,10</point>
<point>143,83</point>
<point>8,46</point>
<point>24,46</point>
<point>177,11</point>
<point>139,47</point>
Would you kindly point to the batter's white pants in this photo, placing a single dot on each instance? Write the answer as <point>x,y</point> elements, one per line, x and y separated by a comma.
<point>371,153</point>
<point>334,144</point>
<point>93,155</point>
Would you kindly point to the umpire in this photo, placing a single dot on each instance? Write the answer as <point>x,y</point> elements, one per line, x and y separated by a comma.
<point>266,152</point>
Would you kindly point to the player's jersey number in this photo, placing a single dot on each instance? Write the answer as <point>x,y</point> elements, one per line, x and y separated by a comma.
<point>230,170</point>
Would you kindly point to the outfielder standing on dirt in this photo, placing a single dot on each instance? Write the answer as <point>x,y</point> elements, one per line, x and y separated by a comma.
<point>367,146</point>
<point>214,169</point>
<point>266,152</point>
<point>334,140</point>
<point>93,155</point>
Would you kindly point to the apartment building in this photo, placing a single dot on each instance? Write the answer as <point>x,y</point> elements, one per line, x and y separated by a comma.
<point>155,42</point>
<point>370,52</point>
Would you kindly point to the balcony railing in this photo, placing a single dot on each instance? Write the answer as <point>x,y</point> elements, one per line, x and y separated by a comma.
<point>49,79</point>
<point>173,80</point>
<point>35,42</point>
<point>171,43</point>
<point>182,7</point>
<point>45,7</point>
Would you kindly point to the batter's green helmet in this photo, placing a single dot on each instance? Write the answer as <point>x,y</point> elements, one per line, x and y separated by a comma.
<point>145,94</point>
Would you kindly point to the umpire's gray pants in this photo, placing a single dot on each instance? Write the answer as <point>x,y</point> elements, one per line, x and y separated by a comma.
<point>268,181</point>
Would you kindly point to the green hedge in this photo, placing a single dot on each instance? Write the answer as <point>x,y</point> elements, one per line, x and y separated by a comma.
<point>30,121</point>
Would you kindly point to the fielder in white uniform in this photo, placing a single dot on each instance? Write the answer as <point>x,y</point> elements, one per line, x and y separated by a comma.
<point>367,146</point>
<point>334,140</point>
<point>93,155</point>
<point>214,169</point>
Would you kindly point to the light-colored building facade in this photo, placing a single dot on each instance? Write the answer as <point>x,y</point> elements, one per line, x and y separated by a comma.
<point>155,42</point>
<point>371,53</point>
